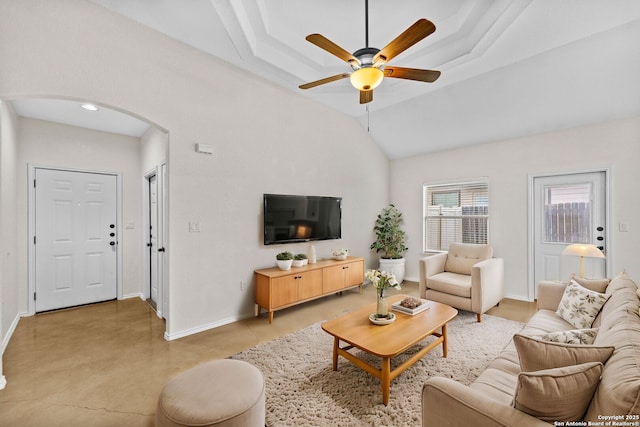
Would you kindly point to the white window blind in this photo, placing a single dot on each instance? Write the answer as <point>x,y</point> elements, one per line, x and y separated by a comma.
<point>457,212</point>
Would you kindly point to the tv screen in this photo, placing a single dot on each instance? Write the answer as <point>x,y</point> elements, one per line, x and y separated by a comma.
<point>290,219</point>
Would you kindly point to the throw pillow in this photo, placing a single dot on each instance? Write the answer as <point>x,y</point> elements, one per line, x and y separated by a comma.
<point>580,306</point>
<point>536,355</point>
<point>560,394</point>
<point>573,336</point>
<point>597,285</point>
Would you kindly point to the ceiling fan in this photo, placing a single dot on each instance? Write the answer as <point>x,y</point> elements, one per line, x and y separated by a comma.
<point>370,64</point>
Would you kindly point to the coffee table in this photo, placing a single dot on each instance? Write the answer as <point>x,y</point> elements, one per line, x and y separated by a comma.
<point>388,341</point>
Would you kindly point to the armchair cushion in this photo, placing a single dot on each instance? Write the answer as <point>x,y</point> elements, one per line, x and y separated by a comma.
<point>462,256</point>
<point>451,283</point>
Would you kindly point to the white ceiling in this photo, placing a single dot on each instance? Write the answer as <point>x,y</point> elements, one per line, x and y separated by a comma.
<point>509,67</point>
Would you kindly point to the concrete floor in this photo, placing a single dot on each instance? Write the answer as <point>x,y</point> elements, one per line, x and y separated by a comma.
<point>105,364</point>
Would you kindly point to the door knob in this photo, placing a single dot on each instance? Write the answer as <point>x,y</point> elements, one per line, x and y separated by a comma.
<point>600,238</point>
<point>112,226</point>
<point>600,228</point>
<point>112,243</point>
<point>112,234</point>
<point>601,248</point>
<point>160,249</point>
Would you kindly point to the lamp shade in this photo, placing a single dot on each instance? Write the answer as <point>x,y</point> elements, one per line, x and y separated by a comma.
<point>583,250</point>
<point>366,78</point>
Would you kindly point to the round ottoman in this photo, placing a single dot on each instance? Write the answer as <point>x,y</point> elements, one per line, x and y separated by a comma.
<point>217,393</point>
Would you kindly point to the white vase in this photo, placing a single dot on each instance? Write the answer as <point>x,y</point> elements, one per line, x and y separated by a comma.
<point>395,266</point>
<point>311,256</point>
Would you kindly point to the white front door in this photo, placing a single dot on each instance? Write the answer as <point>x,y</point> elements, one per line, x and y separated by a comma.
<point>75,238</point>
<point>568,209</point>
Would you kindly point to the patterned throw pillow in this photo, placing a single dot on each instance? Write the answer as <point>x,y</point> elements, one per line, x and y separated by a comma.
<point>574,336</point>
<point>580,306</point>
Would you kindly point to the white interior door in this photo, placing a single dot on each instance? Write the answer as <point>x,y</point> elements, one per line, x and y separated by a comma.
<point>568,209</point>
<point>152,244</point>
<point>75,238</point>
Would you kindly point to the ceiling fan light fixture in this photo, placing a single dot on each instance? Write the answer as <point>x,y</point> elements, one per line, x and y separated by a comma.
<point>367,78</point>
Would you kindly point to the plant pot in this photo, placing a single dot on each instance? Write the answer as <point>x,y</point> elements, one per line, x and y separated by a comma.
<point>395,266</point>
<point>284,264</point>
<point>298,262</point>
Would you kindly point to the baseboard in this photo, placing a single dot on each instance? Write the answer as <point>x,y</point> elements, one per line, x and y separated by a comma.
<point>136,295</point>
<point>9,334</point>
<point>191,331</point>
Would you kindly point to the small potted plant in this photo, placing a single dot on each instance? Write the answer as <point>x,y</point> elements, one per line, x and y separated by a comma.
<point>284,260</point>
<point>391,241</point>
<point>300,260</point>
<point>340,254</point>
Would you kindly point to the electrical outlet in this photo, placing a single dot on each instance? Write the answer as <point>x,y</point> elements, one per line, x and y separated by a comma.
<point>242,285</point>
<point>623,226</point>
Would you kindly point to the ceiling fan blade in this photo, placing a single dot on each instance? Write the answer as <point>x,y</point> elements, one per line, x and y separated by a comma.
<point>325,80</point>
<point>366,96</point>
<point>412,35</point>
<point>324,43</point>
<point>428,76</point>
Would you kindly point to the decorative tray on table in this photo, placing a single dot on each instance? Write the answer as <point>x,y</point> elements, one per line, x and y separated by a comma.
<point>411,305</point>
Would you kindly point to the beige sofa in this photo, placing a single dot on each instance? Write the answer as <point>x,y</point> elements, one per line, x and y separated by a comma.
<point>489,400</point>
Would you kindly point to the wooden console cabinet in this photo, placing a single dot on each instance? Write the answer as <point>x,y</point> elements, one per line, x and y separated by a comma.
<point>277,289</point>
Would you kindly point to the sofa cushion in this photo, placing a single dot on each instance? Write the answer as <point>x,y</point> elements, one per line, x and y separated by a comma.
<point>451,283</point>
<point>498,380</point>
<point>559,394</point>
<point>572,336</point>
<point>462,256</point>
<point>596,285</point>
<point>619,389</point>
<point>536,355</point>
<point>580,306</point>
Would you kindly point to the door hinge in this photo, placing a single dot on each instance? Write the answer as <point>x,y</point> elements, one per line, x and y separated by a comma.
<point>34,296</point>
<point>34,183</point>
<point>34,240</point>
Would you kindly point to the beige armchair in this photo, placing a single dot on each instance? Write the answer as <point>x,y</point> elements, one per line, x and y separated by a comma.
<point>467,277</point>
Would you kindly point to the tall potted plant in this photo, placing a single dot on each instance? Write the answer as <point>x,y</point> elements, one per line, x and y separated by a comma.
<point>391,241</point>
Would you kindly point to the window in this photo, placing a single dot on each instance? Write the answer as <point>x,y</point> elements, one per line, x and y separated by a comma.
<point>567,213</point>
<point>455,213</point>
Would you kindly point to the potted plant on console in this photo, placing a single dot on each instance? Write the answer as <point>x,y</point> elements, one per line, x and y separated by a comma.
<point>299,260</point>
<point>284,260</point>
<point>390,240</point>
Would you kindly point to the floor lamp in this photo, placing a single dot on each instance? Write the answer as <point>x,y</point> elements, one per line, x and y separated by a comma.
<point>583,250</point>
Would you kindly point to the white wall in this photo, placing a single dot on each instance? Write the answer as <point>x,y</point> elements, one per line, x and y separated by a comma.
<point>507,164</point>
<point>47,144</point>
<point>266,140</point>
<point>9,289</point>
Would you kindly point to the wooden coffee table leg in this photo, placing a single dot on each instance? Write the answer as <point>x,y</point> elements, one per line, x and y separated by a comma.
<point>444,340</point>
<point>386,379</point>
<point>336,344</point>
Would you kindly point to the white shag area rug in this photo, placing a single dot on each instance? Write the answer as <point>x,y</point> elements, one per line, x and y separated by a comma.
<point>303,390</point>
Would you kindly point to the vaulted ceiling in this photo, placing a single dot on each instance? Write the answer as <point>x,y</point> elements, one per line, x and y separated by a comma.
<point>509,67</point>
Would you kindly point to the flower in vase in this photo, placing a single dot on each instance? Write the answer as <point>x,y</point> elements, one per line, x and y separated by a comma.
<point>382,280</point>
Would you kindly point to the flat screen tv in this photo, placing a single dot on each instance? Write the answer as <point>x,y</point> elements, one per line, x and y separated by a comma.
<point>292,219</point>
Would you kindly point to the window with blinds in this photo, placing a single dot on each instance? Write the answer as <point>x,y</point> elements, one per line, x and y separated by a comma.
<point>455,213</point>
